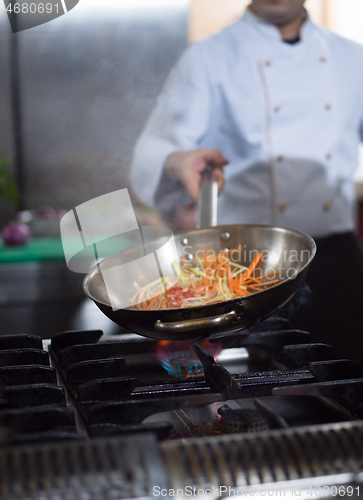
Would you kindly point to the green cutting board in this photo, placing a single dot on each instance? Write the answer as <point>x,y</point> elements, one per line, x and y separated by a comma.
<point>46,249</point>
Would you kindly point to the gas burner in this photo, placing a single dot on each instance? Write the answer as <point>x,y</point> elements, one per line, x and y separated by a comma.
<point>180,360</point>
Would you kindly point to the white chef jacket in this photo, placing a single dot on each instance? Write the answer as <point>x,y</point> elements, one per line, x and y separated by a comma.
<point>288,117</point>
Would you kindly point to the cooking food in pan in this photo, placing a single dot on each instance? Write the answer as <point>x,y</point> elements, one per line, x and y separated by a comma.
<point>286,251</point>
<point>207,280</point>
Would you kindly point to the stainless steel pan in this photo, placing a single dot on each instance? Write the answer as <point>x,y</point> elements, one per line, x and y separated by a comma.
<point>287,252</point>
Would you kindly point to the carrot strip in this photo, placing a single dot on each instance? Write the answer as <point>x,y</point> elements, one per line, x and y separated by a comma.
<point>185,265</point>
<point>217,259</point>
<point>221,264</point>
<point>253,265</point>
<point>229,278</point>
<point>269,282</point>
<point>235,283</point>
<point>266,275</point>
<point>152,302</point>
<point>261,286</point>
<point>248,280</point>
<point>241,293</point>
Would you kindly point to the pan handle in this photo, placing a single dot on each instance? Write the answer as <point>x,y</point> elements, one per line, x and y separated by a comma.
<point>213,323</point>
<point>208,200</point>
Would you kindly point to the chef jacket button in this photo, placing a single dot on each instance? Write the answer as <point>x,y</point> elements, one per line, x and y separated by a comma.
<point>276,109</point>
<point>282,207</point>
<point>323,59</point>
<point>328,156</point>
<point>328,106</point>
<point>326,207</point>
<point>268,63</point>
<point>280,158</point>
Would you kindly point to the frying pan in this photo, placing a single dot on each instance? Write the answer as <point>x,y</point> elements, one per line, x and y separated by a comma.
<point>287,252</point>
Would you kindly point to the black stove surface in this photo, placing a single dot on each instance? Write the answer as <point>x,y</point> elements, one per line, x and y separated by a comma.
<point>82,389</point>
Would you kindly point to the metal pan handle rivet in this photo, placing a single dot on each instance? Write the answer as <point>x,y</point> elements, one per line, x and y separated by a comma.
<point>225,236</point>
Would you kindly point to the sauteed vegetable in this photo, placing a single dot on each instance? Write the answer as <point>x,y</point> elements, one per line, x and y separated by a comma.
<point>208,281</point>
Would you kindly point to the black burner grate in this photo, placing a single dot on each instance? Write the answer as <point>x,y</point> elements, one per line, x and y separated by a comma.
<point>78,423</point>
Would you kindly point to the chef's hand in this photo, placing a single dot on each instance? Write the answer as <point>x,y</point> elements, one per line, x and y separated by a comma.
<point>187,166</point>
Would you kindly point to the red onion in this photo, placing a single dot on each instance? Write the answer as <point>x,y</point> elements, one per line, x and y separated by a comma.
<point>15,233</point>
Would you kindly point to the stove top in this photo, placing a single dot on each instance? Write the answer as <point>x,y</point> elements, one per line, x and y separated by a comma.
<point>91,416</point>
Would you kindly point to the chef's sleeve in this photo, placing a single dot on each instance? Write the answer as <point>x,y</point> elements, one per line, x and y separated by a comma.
<point>178,121</point>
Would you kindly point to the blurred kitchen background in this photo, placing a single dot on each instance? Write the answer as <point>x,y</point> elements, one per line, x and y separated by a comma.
<point>74,95</point>
<point>75,92</point>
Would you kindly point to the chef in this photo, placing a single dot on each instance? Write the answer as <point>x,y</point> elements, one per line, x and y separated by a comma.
<point>274,103</point>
